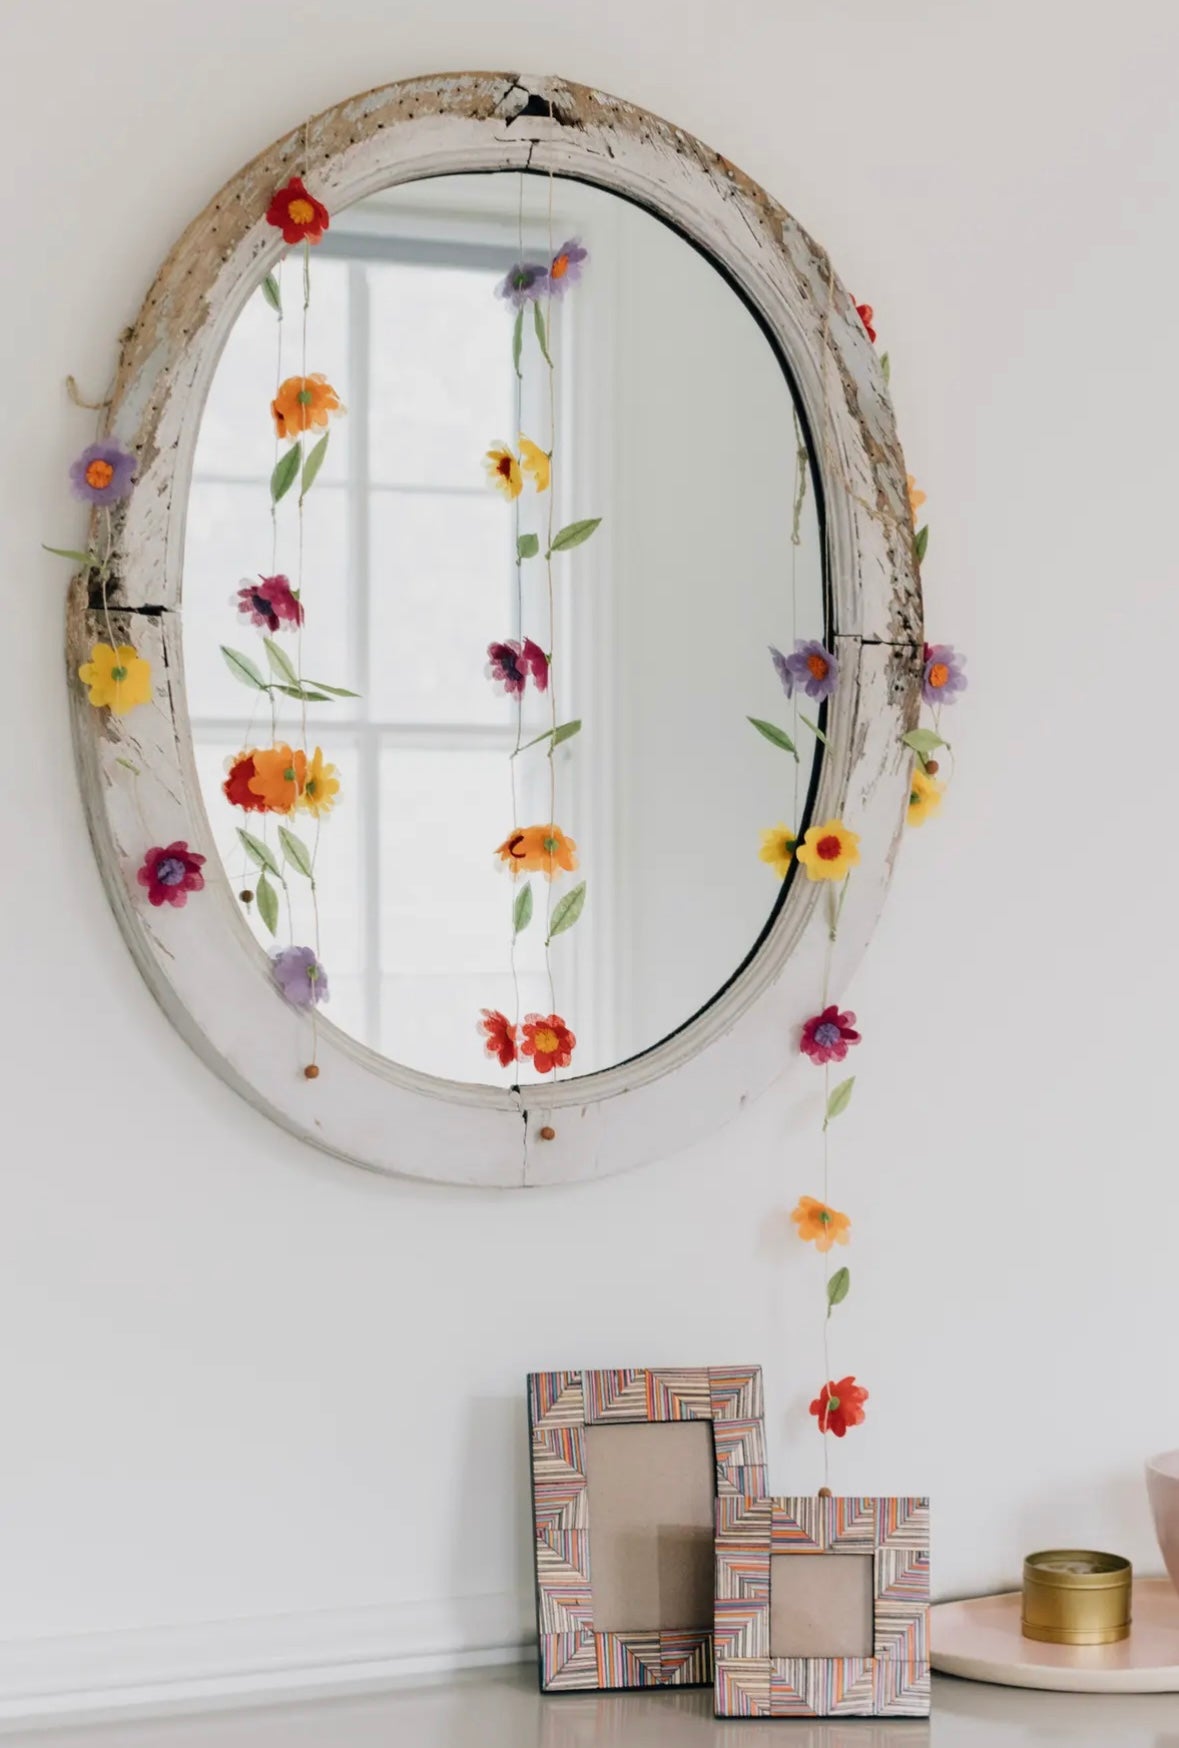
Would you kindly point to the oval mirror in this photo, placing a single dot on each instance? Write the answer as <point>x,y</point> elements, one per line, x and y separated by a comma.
<point>525,564</point>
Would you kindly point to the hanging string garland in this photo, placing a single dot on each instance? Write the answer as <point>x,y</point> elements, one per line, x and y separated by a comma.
<point>829,852</point>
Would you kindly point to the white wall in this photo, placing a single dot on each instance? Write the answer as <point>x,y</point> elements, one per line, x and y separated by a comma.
<point>242,1380</point>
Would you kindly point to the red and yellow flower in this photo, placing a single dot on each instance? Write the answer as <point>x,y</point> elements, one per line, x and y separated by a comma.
<point>297,214</point>
<point>503,470</point>
<point>548,1040</point>
<point>829,851</point>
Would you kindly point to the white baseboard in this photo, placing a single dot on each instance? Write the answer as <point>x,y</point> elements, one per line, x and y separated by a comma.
<point>219,1664</point>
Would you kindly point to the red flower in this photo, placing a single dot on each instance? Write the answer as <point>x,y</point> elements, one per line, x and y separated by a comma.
<point>839,1406</point>
<point>865,313</point>
<point>297,214</point>
<point>827,1036</point>
<point>270,602</point>
<point>549,1042</point>
<point>171,874</point>
<point>501,1036</point>
<point>237,785</point>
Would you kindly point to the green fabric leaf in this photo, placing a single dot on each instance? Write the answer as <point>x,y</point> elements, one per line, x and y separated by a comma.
<point>242,668</point>
<point>518,339</point>
<point>128,766</point>
<point>527,546</point>
<point>280,662</point>
<point>313,464</point>
<point>305,694</point>
<point>838,1287</point>
<point>814,728</point>
<point>335,691</point>
<point>921,542</point>
<point>272,294</point>
<point>566,731</point>
<point>295,851</point>
<point>776,736</point>
<point>886,367</point>
<point>86,558</point>
<point>267,899</point>
<point>522,909</point>
<point>258,852</point>
<point>568,911</point>
<point>574,533</point>
<point>840,1099</point>
<point>923,740</point>
<point>538,322</point>
<point>285,472</point>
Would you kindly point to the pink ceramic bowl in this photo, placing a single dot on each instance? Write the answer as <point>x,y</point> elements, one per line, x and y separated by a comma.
<point>1162,1484</point>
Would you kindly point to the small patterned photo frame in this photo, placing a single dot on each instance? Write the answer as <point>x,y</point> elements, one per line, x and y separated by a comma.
<point>592,1483</point>
<point>892,1678</point>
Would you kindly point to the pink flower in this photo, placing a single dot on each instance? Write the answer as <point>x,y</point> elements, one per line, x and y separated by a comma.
<point>269,603</point>
<point>171,874</point>
<point>827,1036</point>
<point>511,664</point>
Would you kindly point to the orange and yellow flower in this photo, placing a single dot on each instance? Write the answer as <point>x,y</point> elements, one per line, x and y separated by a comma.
<point>503,470</point>
<point>279,776</point>
<point>916,497</point>
<point>536,463</point>
<point>829,851</point>
<point>321,785</point>
<point>304,403</point>
<point>816,1221</point>
<point>777,848</point>
<point>538,849</point>
<point>118,679</point>
<point>925,796</point>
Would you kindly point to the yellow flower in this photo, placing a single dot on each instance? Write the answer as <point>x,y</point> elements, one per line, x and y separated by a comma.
<point>916,497</point>
<point>503,470</point>
<point>925,796</point>
<point>815,1220</point>
<point>829,851</point>
<point>320,786</point>
<point>117,678</point>
<point>536,464</point>
<point>777,848</point>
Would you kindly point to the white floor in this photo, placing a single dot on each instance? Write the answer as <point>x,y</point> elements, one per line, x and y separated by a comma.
<point>500,1708</point>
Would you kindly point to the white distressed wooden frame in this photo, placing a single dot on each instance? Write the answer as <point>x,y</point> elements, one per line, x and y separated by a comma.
<point>201,962</point>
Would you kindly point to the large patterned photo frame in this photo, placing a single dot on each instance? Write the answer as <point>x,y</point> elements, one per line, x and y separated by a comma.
<point>718,1452</point>
<point>892,1678</point>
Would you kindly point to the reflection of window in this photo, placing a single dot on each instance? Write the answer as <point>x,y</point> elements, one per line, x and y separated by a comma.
<point>408,573</point>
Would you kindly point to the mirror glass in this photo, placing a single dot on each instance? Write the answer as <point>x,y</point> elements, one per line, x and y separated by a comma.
<point>472,862</point>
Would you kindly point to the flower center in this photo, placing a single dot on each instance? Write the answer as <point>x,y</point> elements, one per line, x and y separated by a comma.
<point>504,467</point>
<point>99,475</point>
<point>939,673</point>
<point>304,397</point>
<point>289,774</point>
<point>549,845</point>
<point>829,848</point>
<point>914,797</point>
<point>546,1041</point>
<point>262,606</point>
<point>301,211</point>
<point>514,842</point>
<point>818,667</point>
<point>827,1033</point>
<point>310,787</point>
<point>824,1216</point>
<point>560,267</point>
<point>170,871</point>
<point>312,972</point>
<point>118,674</point>
<point>832,1404</point>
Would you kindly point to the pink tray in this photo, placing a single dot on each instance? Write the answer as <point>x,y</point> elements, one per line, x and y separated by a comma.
<point>981,1639</point>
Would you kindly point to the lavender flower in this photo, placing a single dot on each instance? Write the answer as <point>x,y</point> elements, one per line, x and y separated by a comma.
<point>300,976</point>
<point>565,267</point>
<point>102,473</point>
<point>523,283</point>
<point>812,667</point>
<point>942,678</point>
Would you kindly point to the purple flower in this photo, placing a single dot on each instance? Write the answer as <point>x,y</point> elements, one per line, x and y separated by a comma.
<point>102,473</point>
<point>942,678</point>
<point>523,283</point>
<point>511,664</point>
<point>566,265</point>
<point>300,976</point>
<point>812,667</point>
<point>270,602</point>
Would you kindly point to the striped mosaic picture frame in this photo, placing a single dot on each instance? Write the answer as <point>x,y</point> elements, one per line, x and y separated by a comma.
<point>891,1682</point>
<point>573,1656</point>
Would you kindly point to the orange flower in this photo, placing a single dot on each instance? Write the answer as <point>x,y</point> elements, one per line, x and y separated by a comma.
<point>916,497</point>
<point>538,849</point>
<point>279,777</point>
<point>303,403</point>
<point>827,1226</point>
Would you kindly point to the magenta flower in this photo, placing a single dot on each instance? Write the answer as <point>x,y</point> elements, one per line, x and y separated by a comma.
<point>566,265</point>
<point>942,678</point>
<point>270,603</point>
<point>511,664</point>
<point>300,976</point>
<point>102,473</point>
<point>812,666</point>
<point>171,874</point>
<point>826,1037</point>
<point>523,283</point>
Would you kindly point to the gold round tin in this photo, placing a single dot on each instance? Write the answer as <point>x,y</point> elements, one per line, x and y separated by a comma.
<point>1072,1596</point>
